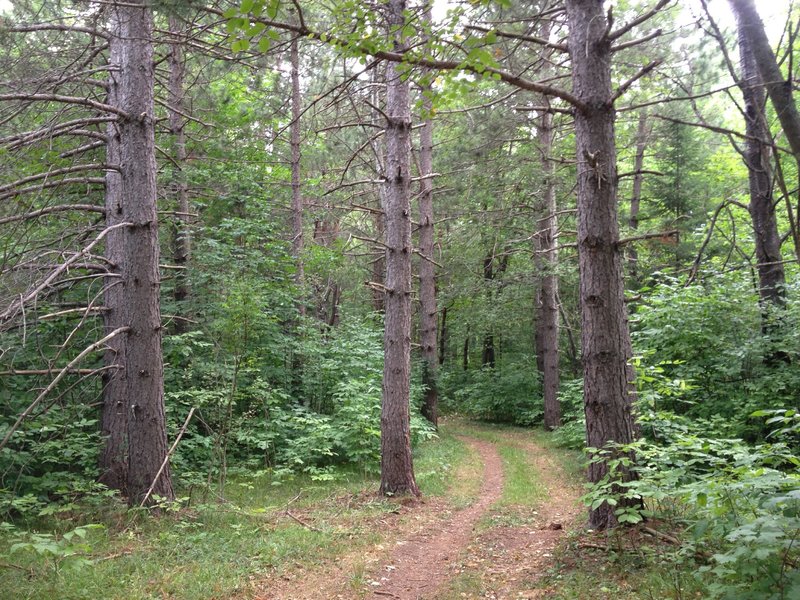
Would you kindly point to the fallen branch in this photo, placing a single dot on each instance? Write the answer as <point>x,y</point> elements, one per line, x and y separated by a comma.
<point>166,458</point>
<point>663,536</point>
<point>303,523</point>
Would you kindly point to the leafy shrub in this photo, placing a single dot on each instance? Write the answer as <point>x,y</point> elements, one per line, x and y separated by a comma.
<point>709,336</point>
<point>509,393</point>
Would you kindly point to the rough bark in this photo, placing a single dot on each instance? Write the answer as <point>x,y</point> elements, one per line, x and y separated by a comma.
<point>427,270</point>
<point>547,263</point>
<point>177,127</point>
<point>147,436</point>
<point>397,471</point>
<point>297,198</point>
<point>604,330</point>
<point>636,193</point>
<point>757,158</point>
<point>114,424</point>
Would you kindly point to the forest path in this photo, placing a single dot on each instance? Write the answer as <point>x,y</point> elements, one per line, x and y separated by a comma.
<point>432,550</point>
<point>419,566</point>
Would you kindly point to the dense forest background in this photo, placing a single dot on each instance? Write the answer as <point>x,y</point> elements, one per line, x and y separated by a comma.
<point>211,214</point>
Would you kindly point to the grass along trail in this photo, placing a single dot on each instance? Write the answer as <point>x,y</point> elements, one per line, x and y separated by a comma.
<point>491,535</point>
<point>481,530</point>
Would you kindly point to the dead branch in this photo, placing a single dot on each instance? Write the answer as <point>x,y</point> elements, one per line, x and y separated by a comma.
<point>166,458</point>
<point>51,210</point>
<point>661,235</point>
<point>57,378</point>
<point>15,306</point>
<point>52,184</point>
<point>66,100</point>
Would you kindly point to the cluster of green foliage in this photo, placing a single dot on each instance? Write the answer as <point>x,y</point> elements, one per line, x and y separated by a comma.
<point>508,393</point>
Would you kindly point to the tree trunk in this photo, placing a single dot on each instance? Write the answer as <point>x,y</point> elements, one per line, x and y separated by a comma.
<point>147,436</point>
<point>327,303</point>
<point>636,194</point>
<point>779,89</point>
<point>177,124</point>
<point>397,470</point>
<point>492,269</point>
<point>114,423</point>
<point>378,80</point>
<point>297,198</point>
<point>379,264</point>
<point>547,263</point>
<point>443,332</point>
<point>604,329</point>
<point>465,352</point>
<point>427,270</point>
<point>757,157</point>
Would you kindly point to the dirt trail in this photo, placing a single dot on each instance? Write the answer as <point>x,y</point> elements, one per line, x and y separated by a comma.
<point>431,547</point>
<point>511,560</point>
<point>420,565</point>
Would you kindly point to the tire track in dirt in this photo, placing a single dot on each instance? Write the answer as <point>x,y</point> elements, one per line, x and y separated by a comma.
<point>511,560</point>
<point>422,564</point>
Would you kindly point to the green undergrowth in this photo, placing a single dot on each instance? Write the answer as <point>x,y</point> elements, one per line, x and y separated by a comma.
<point>212,549</point>
<point>621,566</point>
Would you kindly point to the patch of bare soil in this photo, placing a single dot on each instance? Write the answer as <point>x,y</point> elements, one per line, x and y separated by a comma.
<point>510,561</point>
<point>419,566</point>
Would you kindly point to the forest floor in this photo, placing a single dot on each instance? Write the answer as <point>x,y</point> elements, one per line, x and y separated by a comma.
<point>499,544</point>
<point>499,518</point>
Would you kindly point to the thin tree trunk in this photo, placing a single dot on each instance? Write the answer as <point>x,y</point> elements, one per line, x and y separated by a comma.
<point>757,157</point>
<point>378,217</point>
<point>636,194</point>
<point>297,198</point>
<point>443,334</point>
<point>114,423</point>
<point>379,265</point>
<point>327,303</point>
<point>465,351</point>
<point>604,330</point>
<point>147,435</point>
<point>397,470</point>
<point>493,268</point>
<point>547,264</point>
<point>427,270</point>
<point>751,28</point>
<point>177,124</point>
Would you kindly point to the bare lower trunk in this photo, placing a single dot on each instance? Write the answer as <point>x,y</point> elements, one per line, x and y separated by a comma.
<point>397,470</point>
<point>547,263</point>
<point>443,334</point>
<point>114,424</point>
<point>147,437</point>
<point>177,124</point>
<point>604,330</point>
<point>379,264</point>
<point>762,209</point>
<point>427,270</point>
<point>297,198</point>
<point>465,351</point>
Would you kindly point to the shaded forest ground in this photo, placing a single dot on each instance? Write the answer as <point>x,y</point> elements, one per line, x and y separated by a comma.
<point>500,518</point>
